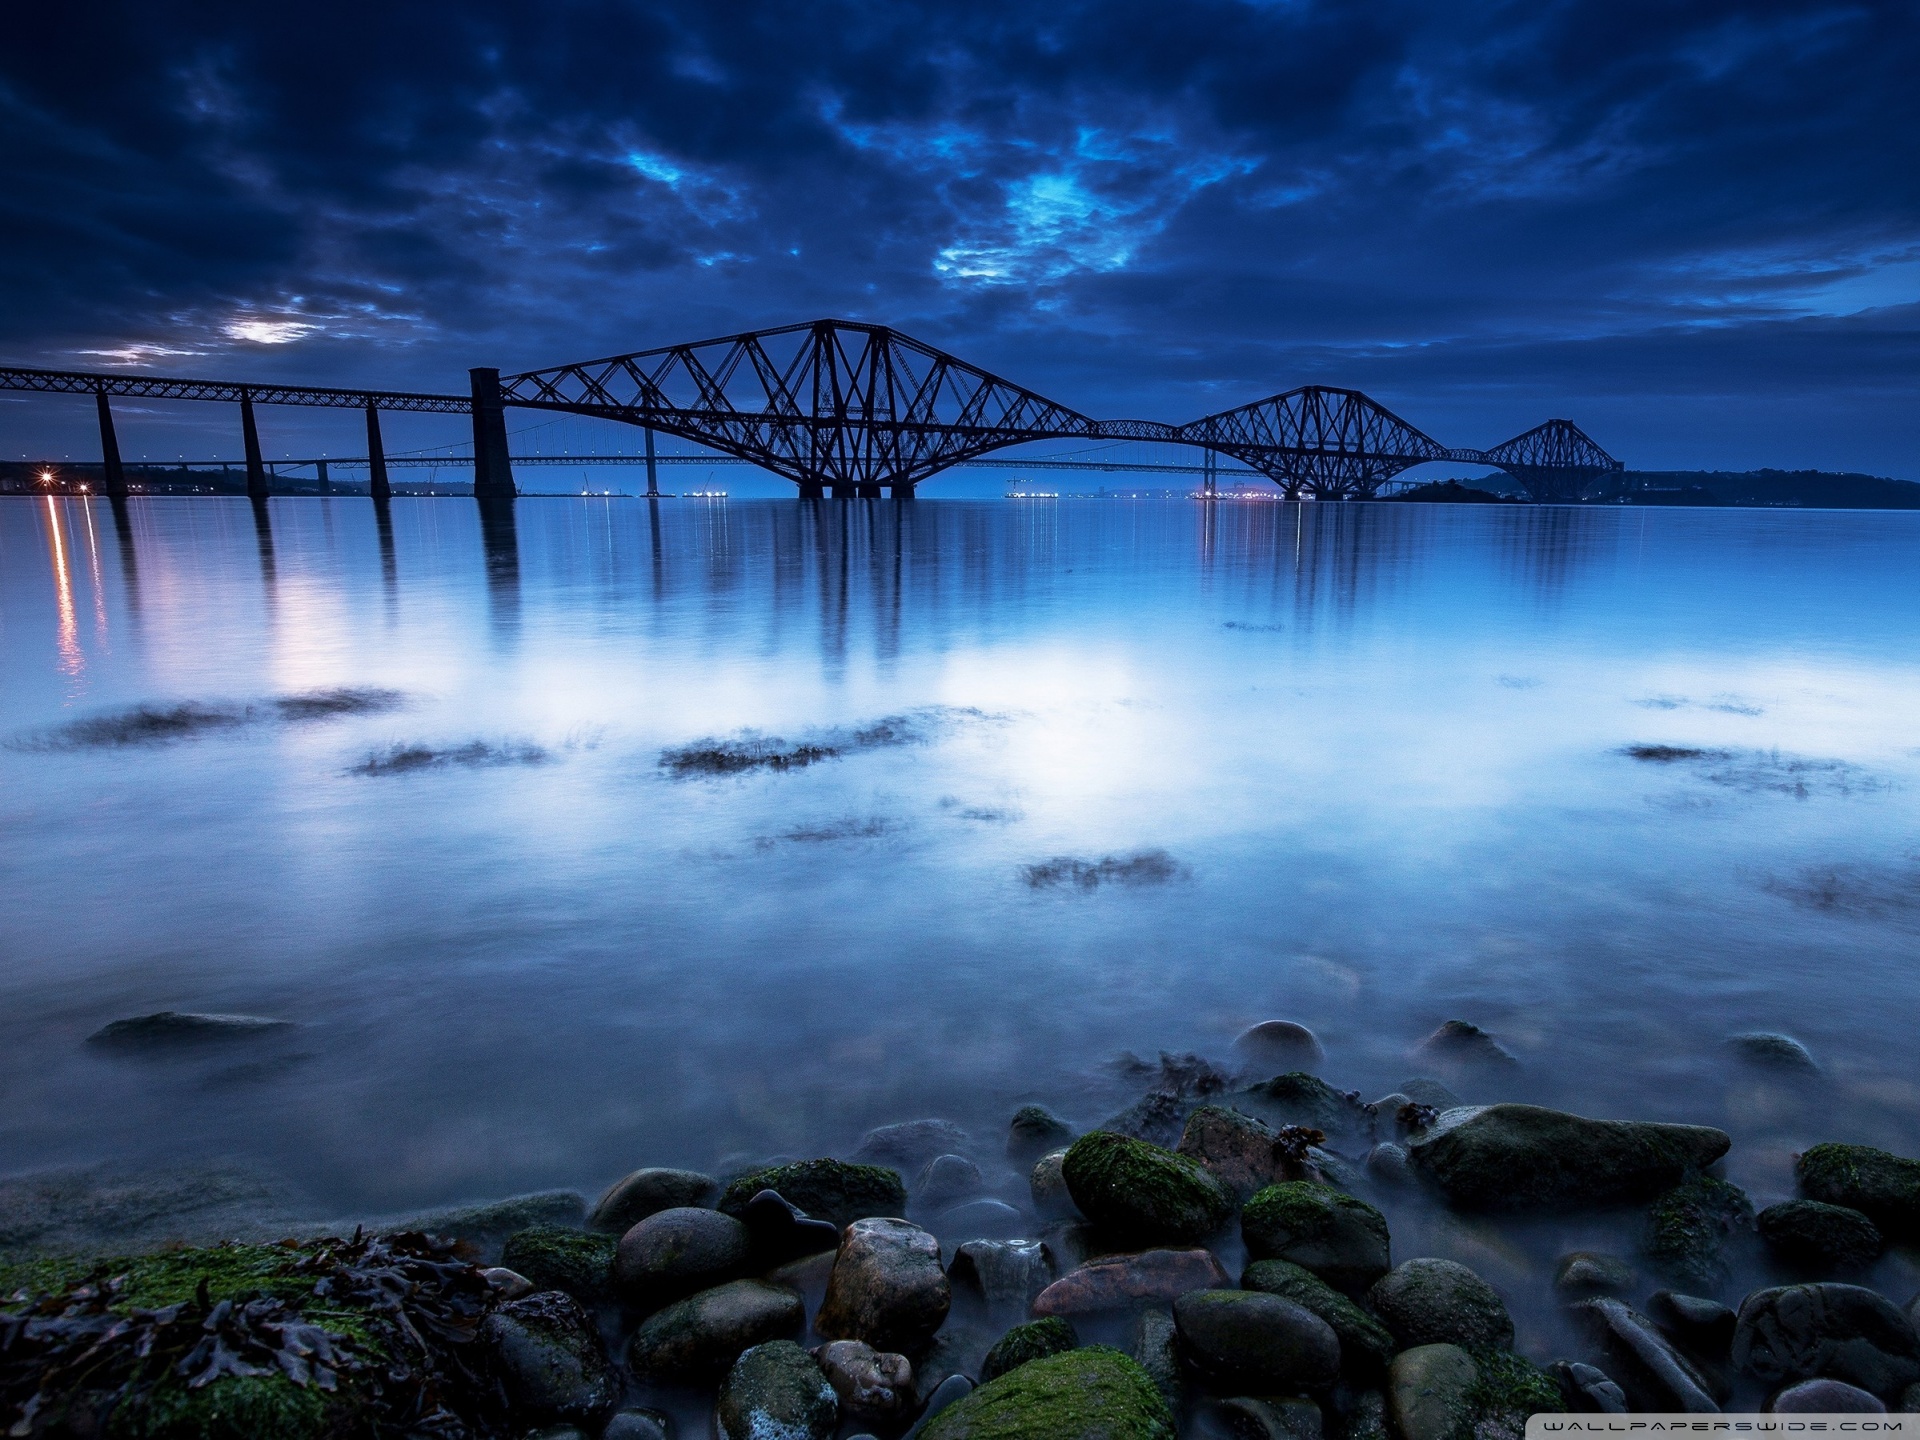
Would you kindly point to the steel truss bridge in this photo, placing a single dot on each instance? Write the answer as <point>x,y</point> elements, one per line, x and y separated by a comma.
<point>849,409</point>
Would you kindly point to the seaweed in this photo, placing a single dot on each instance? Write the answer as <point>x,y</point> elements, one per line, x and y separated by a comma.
<point>333,704</point>
<point>1672,754</point>
<point>140,725</point>
<point>475,754</point>
<point>749,750</point>
<point>1143,867</point>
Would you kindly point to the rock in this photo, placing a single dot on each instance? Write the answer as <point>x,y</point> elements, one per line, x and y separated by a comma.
<point>1035,1340</point>
<point>1838,1332</point>
<point>1246,1418</point>
<point>945,1180</point>
<point>1824,1397</point>
<point>1087,1394</point>
<point>1432,1302</point>
<point>507,1284</point>
<point>638,1425</point>
<point>1069,1244</point>
<point>1122,1282</point>
<point>1820,1236</point>
<point>1882,1186</point>
<point>696,1340</point>
<point>1242,1153</point>
<point>1005,1275</point>
<point>872,1384</point>
<point>490,1222</point>
<point>909,1144</point>
<point>1424,1090</point>
<point>647,1192</point>
<point>1464,1044</point>
<point>1259,1342</point>
<point>557,1432</point>
<point>1702,1328</point>
<point>1528,1157</point>
<point>830,1190</point>
<point>806,1276</point>
<point>1298,1098</point>
<point>1510,1389</point>
<point>1367,1417</point>
<point>1910,1400</point>
<point>958,1350</point>
<point>180,1028</point>
<point>1035,1131</point>
<point>1276,1045</point>
<point>673,1253</point>
<point>579,1262</point>
<point>1387,1165</point>
<point>1140,1194</point>
<point>1587,1389</point>
<point>1326,1168</point>
<point>1429,1392</point>
<point>1048,1185</point>
<point>550,1360</point>
<point>1155,1348</point>
<point>949,1392</point>
<point>1586,1272</point>
<point>775,1391</point>
<point>887,1288</point>
<point>781,1231</point>
<point>1341,1239</point>
<point>1689,1226</point>
<point>1770,1051</point>
<point>1365,1344</point>
<point>1654,1375</point>
<point>984,1219</point>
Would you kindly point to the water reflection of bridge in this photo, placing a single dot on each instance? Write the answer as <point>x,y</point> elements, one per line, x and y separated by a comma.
<point>854,411</point>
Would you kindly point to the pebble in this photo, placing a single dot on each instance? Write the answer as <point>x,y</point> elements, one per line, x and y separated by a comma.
<point>1365,1344</point>
<point>1587,1272</point>
<point>775,1391</point>
<point>872,1384</point>
<point>1689,1227</point>
<point>1122,1282</point>
<point>1034,1131</point>
<point>1262,1342</point>
<point>945,1180</point>
<point>887,1287</point>
<point>1462,1043</point>
<point>646,1192</point>
<point>696,1340</point>
<point>1004,1275</point>
<point>951,1391</point>
<point>1386,1164</point>
<point>549,1357</point>
<point>1431,1301</point>
<point>1816,1397</point>
<point>1339,1237</point>
<point>911,1143</point>
<point>1427,1391</point>
<point>673,1253</point>
<point>1297,1098</point>
<point>1653,1374</point>
<point>1701,1327</point>
<point>1277,1045</point>
<point>830,1190</point>
<point>1818,1236</point>
<point>553,1257</point>
<point>1840,1332</point>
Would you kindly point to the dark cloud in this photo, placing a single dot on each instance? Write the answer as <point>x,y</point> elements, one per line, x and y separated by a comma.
<point>1696,225</point>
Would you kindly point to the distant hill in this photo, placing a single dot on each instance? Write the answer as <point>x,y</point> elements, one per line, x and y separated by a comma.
<point>1450,492</point>
<point>1812,489</point>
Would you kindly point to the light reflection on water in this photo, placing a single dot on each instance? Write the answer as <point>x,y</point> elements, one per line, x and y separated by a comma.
<point>1379,748</point>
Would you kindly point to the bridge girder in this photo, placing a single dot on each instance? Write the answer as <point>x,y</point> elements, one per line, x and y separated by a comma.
<point>1555,463</point>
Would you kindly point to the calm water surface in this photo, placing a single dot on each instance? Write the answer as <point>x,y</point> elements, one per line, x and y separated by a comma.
<point>1363,767</point>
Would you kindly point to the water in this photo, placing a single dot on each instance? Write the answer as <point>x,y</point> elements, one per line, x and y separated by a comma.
<point>1357,766</point>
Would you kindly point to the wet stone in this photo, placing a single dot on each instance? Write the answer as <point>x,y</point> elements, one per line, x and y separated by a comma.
<point>1365,1344</point>
<point>507,1284</point>
<point>1832,1397</point>
<point>1298,1098</point>
<point>696,1340</point>
<point>1004,1275</point>
<point>781,1231</point>
<point>1424,1090</point>
<point>1247,1418</point>
<point>1768,1050</point>
<point>775,1391</point>
<point>1882,1186</point>
<point>1238,1151</point>
<point>1588,1389</point>
<point>887,1287</point>
<point>1652,1373</point>
<point>1047,1184</point>
<point>638,1425</point>
<point>1155,1348</point>
<point>1087,1394</point>
<point>1587,1272</point>
<point>552,1257</point>
<point>1341,1239</point>
<point>1465,1045</point>
<point>911,1143</point>
<point>1689,1228</point>
<point>1141,1194</point>
<point>1035,1131</point>
<point>830,1190</point>
<point>1818,1236</point>
<point>1387,1165</point>
<point>1840,1332</point>
<point>946,1180</point>
<point>1274,1046</point>
<point>673,1253</point>
<point>983,1219</point>
<point>1701,1327</point>
<point>1429,1392</point>
<point>872,1384</point>
<point>1258,1342</point>
<point>634,1197</point>
<point>1122,1282</point>
<point>1430,1301</point>
<point>550,1359</point>
<point>1035,1340</point>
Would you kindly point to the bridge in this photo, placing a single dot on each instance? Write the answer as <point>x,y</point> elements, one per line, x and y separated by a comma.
<point>848,409</point>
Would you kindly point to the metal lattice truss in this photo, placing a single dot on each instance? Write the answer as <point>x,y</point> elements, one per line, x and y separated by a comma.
<point>154,387</point>
<point>1554,462</point>
<point>834,403</point>
<point>1329,443</point>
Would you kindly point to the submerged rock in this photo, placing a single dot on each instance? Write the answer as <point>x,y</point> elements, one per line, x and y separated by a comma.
<point>1035,1340</point>
<point>1365,1344</point>
<point>1341,1239</point>
<point>1586,1272</point>
<point>492,1221</point>
<point>1140,1194</point>
<point>1528,1157</point>
<point>1298,1098</point>
<point>1462,1043</point>
<point>872,1384</point>
<point>673,1253</point>
<point>1689,1226</point>
<point>638,1425</point>
<point>1825,1397</point>
<point>983,1219</point>
<point>775,1391</point>
<point>1155,1348</point>
<point>552,1257</point>
<point>1770,1051</point>
<point>1701,1327</point>
<point>1588,1389</point>
<point>1122,1282</point>
<point>830,1190</point>
<point>887,1287</point>
<point>696,1340</point>
<point>1819,1236</point>
<point>945,1180</point>
<point>1088,1394</point>
<point>1882,1186</point>
<point>1425,1090</point>
<point>1005,1275</point>
<point>1245,1338</point>
<point>1430,1390</point>
<point>550,1360</point>
<point>910,1143</point>
<point>1840,1332</point>
<point>634,1197</point>
<point>1430,1301</point>
<point>1034,1131</point>
<point>1047,1184</point>
<point>1654,1375</point>
<point>1276,1045</point>
<point>1240,1152</point>
<point>183,1027</point>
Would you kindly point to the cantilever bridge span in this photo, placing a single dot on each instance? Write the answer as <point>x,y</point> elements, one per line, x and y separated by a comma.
<point>853,409</point>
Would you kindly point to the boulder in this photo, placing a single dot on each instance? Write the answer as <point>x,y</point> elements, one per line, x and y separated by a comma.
<point>638,1425</point>
<point>552,1257</point>
<point>1047,1183</point>
<point>1276,1045</point>
<point>1587,1389</point>
<point>1654,1375</point>
<point>633,1198</point>
<point>1338,1237</point>
<point>1035,1131</point>
<point>1825,1397</point>
<point>1767,1050</point>
<point>696,1340</point>
<point>1365,1344</point>
<point>781,1231</point>
<point>1298,1098</point>
<point>981,1219</point>
<point>1257,1342</point>
<point>1818,1236</point>
<point>1242,1153</point>
<point>1434,1302</point>
<point>1430,1390</point>
<point>775,1391</point>
<point>872,1384</point>
<point>1425,1090</point>
<point>1124,1282</point>
<point>1462,1044</point>
<point>950,1391</point>
<point>1529,1157</point>
<point>1155,1348</point>
<point>1689,1227</point>
<point>1087,1394</point>
<point>1035,1340</point>
<point>887,1286</point>
<point>946,1180</point>
<point>1838,1332</point>
<point>830,1190</point>
<point>1247,1418</point>
<point>1140,1194</point>
<point>1702,1328</point>
<point>550,1361</point>
<point>1386,1164</point>
<point>1882,1186</point>
<point>909,1144</point>
<point>1587,1272</point>
<point>673,1253</point>
<point>1004,1275</point>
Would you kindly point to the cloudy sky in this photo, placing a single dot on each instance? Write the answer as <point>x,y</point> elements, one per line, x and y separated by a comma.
<point>1694,228</point>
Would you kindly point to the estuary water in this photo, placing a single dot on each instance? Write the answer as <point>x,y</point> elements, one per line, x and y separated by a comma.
<point>605,833</point>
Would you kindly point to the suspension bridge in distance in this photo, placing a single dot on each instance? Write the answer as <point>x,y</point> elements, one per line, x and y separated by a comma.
<point>852,410</point>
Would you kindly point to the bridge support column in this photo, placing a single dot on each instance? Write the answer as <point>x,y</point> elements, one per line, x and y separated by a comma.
<point>868,490</point>
<point>492,469</point>
<point>841,492</point>
<point>812,490</point>
<point>326,484</point>
<point>113,476</point>
<point>377,485</point>
<point>901,489</point>
<point>257,486</point>
<point>653,476</point>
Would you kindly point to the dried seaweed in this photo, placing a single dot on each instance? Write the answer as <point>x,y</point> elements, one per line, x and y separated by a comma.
<point>333,704</point>
<point>474,755</point>
<point>1143,867</point>
<point>1672,754</point>
<point>750,750</point>
<point>1292,1142</point>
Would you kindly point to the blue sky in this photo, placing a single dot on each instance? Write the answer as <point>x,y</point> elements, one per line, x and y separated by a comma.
<point>1693,228</point>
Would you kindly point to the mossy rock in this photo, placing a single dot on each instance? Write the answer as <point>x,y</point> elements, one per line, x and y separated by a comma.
<point>234,1408</point>
<point>1882,1186</point>
<point>1137,1194</point>
<point>1089,1394</point>
<point>1688,1227</point>
<point>579,1262</point>
<point>1819,1236</point>
<point>1298,1098</point>
<point>1338,1237</point>
<point>1365,1344</point>
<point>1510,1388</point>
<point>831,1190</point>
<point>1035,1340</point>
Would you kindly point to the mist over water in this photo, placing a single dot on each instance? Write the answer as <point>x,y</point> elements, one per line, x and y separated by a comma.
<point>596,834</point>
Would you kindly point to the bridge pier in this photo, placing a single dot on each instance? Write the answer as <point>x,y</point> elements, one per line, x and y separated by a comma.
<point>113,475</point>
<point>812,490</point>
<point>841,492</point>
<point>492,469</point>
<point>377,485</point>
<point>326,484</point>
<point>257,486</point>
<point>901,489</point>
<point>868,490</point>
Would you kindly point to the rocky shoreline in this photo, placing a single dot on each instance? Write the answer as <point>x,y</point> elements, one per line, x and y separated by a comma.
<point>1216,1260</point>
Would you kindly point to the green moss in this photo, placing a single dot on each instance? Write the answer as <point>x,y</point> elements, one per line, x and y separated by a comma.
<point>1882,1186</point>
<point>235,1408</point>
<point>1688,1226</point>
<point>1090,1394</point>
<point>1035,1340</point>
<point>1511,1386</point>
<point>1365,1344</point>
<point>1338,1237</point>
<point>579,1262</point>
<point>831,1190</point>
<point>1141,1194</point>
